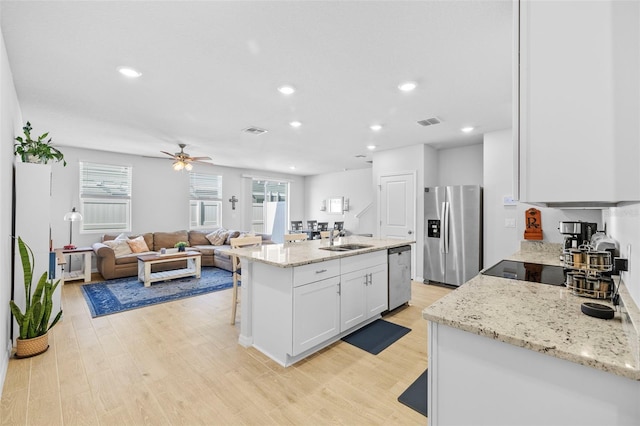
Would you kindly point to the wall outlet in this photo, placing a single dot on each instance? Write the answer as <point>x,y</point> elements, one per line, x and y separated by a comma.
<point>510,223</point>
<point>619,264</point>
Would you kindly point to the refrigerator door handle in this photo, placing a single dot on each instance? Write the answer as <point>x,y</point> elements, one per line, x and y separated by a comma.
<point>445,231</point>
<point>442,227</point>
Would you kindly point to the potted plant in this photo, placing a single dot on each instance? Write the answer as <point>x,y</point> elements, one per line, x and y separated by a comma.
<point>33,323</point>
<point>38,150</point>
<point>181,245</point>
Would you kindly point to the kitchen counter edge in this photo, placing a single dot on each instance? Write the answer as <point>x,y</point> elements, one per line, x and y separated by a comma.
<point>290,255</point>
<point>607,345</point>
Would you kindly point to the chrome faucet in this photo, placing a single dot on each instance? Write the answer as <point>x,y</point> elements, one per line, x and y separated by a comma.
<point>331,238</point>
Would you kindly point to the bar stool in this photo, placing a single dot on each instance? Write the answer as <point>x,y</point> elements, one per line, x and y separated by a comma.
<point>235,266</point>
<point>291,238</point>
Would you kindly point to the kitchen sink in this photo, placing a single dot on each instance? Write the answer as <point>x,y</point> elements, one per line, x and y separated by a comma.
<point>346,247</point>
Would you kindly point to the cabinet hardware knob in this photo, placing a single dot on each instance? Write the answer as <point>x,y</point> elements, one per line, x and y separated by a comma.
<point>321,271</point>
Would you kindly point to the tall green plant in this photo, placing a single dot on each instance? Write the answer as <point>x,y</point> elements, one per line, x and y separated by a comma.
<point>34,321</point>
<point>38,148</point>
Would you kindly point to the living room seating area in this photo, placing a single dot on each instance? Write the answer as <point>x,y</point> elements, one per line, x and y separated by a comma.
<point>117,254</point>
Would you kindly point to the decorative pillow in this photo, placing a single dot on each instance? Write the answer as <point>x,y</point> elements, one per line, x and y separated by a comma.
<point>218,237</point>
<point>138,245</point>
<point>119,247</point>
<point>232,234</point>
<point>122,236</point>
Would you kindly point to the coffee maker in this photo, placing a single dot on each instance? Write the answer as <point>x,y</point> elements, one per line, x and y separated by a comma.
<point>577,233</point>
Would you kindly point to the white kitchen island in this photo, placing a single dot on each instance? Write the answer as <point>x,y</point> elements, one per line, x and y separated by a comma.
<point>297,298</point>
<point>507,352</point>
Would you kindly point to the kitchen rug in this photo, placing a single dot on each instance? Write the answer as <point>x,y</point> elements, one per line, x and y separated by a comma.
<point>377,336</point>
<point>415,397</point>
<point>123,294</point>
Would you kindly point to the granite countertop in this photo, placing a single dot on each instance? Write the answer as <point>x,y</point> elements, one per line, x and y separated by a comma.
<point>305,252</point>
<point>544,318</point>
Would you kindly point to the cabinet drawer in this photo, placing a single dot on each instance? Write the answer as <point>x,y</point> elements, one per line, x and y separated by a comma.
<point>363,261</point>
<point>315,272</point>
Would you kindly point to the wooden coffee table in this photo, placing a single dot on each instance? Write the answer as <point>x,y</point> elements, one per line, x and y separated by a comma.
<point>145,261</point>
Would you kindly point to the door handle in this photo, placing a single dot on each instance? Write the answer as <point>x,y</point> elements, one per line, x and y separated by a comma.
<point>445,236</point>
<point>339,288</point>
<point>443,212</point>
<point>410,232</point>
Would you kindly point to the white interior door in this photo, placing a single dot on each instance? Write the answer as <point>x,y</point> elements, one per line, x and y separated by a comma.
<point>398,209</point>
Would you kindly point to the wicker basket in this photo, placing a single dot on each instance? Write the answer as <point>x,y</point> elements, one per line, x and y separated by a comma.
<point>31,347</point>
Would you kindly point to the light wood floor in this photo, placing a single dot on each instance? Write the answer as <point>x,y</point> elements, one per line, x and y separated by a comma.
<point>180,363</point>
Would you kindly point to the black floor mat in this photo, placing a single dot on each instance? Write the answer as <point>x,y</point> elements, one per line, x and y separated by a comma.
<point>415,396</point>
<point>377,336</point>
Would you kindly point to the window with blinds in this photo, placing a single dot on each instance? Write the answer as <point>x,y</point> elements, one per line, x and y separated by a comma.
<point>205,203</point>
<point>105,197</point>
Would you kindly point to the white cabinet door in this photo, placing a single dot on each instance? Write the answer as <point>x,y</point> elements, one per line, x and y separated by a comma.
<point>32,224</point>
<point>316,313</point>
<point>377,291</point>
<point>364,294</point>
<point>353,299</point>
<point>579,101</point>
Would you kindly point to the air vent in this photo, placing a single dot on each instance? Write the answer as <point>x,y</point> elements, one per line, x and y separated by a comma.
<point>429,121</point>
<point>254,130</point>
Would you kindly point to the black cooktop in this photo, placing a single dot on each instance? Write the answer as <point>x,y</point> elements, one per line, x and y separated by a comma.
<point>524,271</point>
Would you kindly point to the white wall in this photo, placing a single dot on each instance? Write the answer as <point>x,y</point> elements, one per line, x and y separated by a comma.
<point>460,165</point>
<point>421,159</point>
<point>356,185</point>
<point>623,225</point>
<point>10,126</point>
<point>160,195</point>
<point>499,240</point>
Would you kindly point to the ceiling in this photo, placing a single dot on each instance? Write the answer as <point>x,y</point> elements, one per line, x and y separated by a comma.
<point>212,68</point>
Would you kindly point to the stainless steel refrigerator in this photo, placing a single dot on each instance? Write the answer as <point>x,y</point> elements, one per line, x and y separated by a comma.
<point>453,233</point>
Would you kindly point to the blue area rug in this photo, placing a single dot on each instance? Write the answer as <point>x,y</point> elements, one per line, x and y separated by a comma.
<point>109,297</point>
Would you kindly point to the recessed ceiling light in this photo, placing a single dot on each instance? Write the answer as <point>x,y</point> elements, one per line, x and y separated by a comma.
<point>408,86</point>
<point>286,90</point>
<point>295,124</point>
<point>371,147</point>
<point>375,127</point>
<point>292,167</point>
<point>467,129</point>
<point>129,72</point>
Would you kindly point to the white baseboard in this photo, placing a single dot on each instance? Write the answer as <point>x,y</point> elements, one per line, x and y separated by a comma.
<point>4,364</point>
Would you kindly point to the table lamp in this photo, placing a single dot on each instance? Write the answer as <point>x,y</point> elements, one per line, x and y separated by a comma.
<point>71,217</point>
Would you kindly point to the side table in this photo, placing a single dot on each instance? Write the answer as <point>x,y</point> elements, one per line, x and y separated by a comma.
<point>81,274</point>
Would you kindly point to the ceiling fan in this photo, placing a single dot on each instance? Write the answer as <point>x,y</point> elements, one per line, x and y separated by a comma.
<point>182,160</point>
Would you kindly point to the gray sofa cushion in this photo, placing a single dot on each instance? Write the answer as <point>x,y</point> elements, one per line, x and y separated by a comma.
<point>206,250</point>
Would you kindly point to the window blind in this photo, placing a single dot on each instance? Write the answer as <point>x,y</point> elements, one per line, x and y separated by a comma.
<point>105,181</point>
<point>205,187</point>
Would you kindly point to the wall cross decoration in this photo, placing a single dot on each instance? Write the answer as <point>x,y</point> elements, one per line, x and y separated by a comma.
<point>233,200</point>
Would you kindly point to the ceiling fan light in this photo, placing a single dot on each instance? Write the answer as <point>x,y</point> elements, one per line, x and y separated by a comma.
<point>178,165</point>
<point>188,166</point>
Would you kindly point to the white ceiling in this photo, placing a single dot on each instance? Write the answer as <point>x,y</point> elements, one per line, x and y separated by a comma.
<point>211,69</point>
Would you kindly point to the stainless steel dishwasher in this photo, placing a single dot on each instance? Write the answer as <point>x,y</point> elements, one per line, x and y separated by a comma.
<point>399,276</point>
